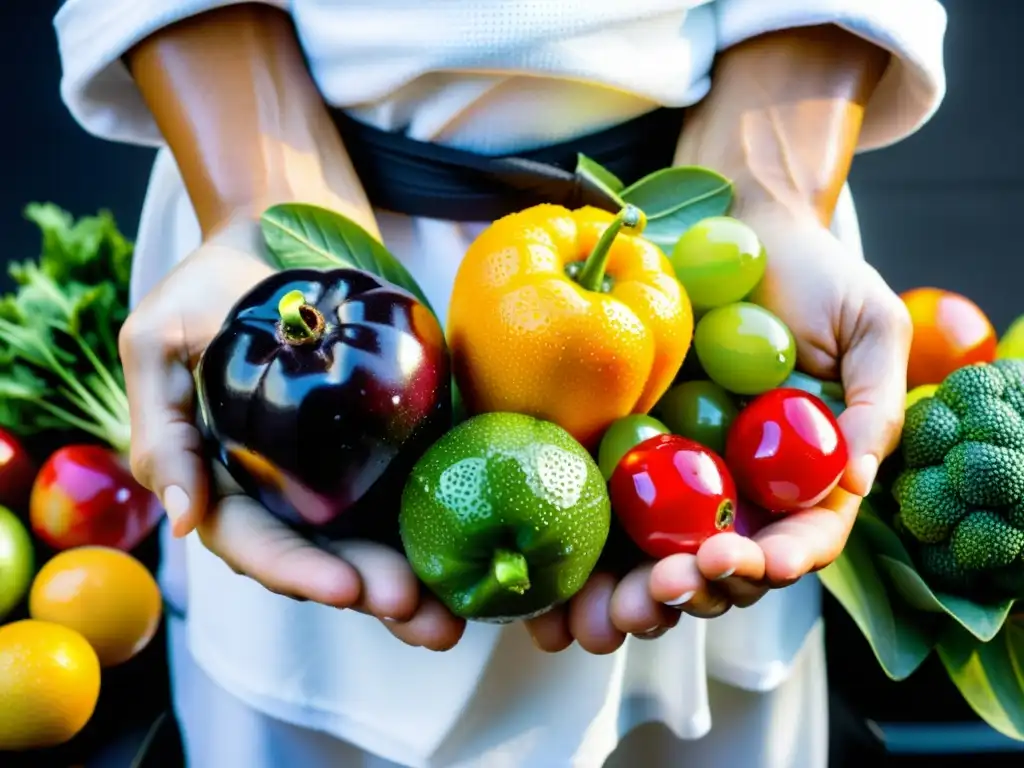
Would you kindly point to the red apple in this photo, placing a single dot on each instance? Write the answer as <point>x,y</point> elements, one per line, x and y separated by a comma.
<point>17,472</point>
<point>84,495</point>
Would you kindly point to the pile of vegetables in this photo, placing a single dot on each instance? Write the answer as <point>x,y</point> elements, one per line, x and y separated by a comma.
<point>935,562</point>
<point>75,598</point>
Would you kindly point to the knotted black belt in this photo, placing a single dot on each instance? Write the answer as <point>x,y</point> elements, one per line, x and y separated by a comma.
<point>427,180</point>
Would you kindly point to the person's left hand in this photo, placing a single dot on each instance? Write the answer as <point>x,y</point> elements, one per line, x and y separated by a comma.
<point>849,325</point>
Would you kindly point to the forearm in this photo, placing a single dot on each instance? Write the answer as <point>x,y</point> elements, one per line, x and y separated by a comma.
<point>238,109</point>
<point>784,115</point>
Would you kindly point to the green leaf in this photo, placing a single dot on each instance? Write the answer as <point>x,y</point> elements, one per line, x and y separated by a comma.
<point>981,620</point>
<point>900,639</point>
<point>989,675</point>
<point>599,176</point>
<point>299,235</point>
<point>674,199</point>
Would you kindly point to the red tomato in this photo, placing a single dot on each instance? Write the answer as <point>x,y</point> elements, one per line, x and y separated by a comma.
<point>786,450</point>
<point>84,496</point>
<point>950,331</point>
<point>17,472</point>
<point>671,494</point>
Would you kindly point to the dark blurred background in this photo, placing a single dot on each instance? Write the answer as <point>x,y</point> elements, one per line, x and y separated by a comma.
<point>938,209</point>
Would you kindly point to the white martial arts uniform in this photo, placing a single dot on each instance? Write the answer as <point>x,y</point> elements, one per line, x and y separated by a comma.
<point>264,682</point>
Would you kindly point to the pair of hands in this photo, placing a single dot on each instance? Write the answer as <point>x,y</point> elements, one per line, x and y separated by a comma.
<point>848,325</point>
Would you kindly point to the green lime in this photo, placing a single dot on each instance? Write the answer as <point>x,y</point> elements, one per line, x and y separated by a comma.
<point>17,561</point>
<point>622,436</point>
<point>504,517</point>
<point>700,410</point>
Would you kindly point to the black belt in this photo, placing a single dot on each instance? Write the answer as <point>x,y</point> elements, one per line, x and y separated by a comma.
<point>427,180</point>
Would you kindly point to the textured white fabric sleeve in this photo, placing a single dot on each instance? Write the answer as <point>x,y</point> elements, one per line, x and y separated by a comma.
<point>92,36</point>
<point>913,30</point>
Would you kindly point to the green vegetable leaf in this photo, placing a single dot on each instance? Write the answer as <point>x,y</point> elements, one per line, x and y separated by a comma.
<point>990,676</point>
<point>982,620</point>
<point>674,199</point>
<point>900,639</point>
<point>599,176</point>
<point>299,235</point>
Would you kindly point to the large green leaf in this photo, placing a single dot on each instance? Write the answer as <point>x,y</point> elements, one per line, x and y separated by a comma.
<point>599,176</point>
<point>299,235</point>
<point>900,638</point>
<point>990,676</point>
<point>674,199</point>
<point>980,619</point>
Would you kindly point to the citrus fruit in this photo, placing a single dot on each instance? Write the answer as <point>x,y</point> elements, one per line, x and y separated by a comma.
<point>745,348</point>
<point>504,517</point>
<point>103,593</point>
<point>920,393</point>
<point>950,331</point>
<point>17,560</point>
<point>719,260</point>
<point>1011,344</point>
<point>49,684</point>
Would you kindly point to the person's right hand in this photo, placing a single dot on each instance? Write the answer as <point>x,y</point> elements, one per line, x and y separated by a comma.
<point>160,345</point>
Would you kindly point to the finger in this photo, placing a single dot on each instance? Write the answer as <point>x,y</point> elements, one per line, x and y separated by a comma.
<point>390,589</point>
<point>874,370</point>
<point>735,565</point>
<point>590,616</point>
<point>741,593</point>
<point>166,448</point>
<point>252,541</point>
<point>634,611</point>
<point>806,541</point>
<point>730,554</point>
<point>432,627</point>
<point>677,582</point>
<point>550,631</point>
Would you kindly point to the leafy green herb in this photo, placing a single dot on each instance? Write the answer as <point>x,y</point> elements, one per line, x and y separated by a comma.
<point>300,235</point>
<point>59,364</point>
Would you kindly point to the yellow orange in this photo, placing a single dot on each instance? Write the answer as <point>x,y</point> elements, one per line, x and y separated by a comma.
<point>103,593</point>
<point>49,684</point>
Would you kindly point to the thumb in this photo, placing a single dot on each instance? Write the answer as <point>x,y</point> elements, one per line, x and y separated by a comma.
<point>167,447</point>
<point>874,372</point>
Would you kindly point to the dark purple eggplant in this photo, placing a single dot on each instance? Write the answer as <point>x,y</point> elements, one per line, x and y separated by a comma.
<point>321,391</point>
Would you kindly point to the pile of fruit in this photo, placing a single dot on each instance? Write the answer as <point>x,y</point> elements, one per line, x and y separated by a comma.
<point>74,598</point>
<point>328,395</point>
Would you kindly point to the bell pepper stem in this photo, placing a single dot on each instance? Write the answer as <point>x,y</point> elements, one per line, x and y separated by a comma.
<point>511,571</point>
<point>591,277</point>
<point>296,316</point>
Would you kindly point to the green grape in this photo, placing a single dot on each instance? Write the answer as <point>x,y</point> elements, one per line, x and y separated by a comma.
<point>622,436</point>
<point>829,392</point>
<point>699,410</point>
<point>745,348</point>
<point>719,260</point>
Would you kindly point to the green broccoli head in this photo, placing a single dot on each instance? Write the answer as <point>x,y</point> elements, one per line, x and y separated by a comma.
<point>961,493</point>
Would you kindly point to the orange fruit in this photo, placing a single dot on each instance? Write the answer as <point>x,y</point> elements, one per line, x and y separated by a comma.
<point>49,684</point>
<point>103,593</point>
<point>950,331</point>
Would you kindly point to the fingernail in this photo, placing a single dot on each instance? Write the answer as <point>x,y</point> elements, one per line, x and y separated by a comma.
<point>683,599</point>
<point>652,634</point>
<point>389,620</point>
<point>868,469</point>
<point>175,502</point>
<point>725,575</point>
